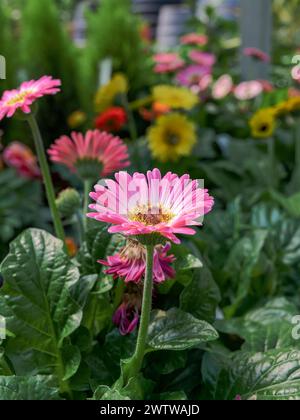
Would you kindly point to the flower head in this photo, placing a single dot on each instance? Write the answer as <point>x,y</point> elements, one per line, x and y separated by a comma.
<point>130,263</point>
<point>194,39</point>
<point>263,123</point>
<point>156,111</point>
<point>175,97</point>
<point>202,58</point>
<point>192,75</point>
<point>248,90</point>
<point>126,318</point>
<point>172,137</point>
<point>107,93</point>
<point>222,87</point>
<point>152,206</point>
<point>257,54</point>
<point>20,157</point>
<point>112,120</point>
<point>167,62</point>
<point>23,97</point>
<point>91,155</point>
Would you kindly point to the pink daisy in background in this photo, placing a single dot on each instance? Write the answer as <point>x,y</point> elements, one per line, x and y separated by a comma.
<point>23,97</point>
<point>91,155</point>
<point>248,90</point>
<point>130,263</point>
<point>266,85</point>
<point>151,205</point>
<point>167,62</point>
<point>20,157</point>
<point>194,39</point>
<point>257,54</point>
<point>192,75</point>
<point>222,87</point>
<point>203,58</point>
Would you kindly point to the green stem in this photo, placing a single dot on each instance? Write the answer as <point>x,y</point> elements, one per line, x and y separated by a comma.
<point>135,364</point>
<point>86,199</point>
<point>131,121</point>
<point>46,176</point>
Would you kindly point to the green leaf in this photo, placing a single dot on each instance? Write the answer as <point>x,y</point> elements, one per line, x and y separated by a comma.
<point>173,396</point>
<point>201,297</point>
<point>38,302</point>
<point>272,375</point>
<point>177,330</point>
<point>71,358</point>
<point>290,204</point>
<point>104,392</point>
<point>266,328</point>
<point>28,388</point>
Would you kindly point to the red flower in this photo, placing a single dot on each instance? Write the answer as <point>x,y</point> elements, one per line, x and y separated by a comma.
<point>112,120</point>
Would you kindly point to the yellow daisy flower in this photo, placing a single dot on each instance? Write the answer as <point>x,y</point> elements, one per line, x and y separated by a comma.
<point>173,136</point>
<point>263,123</point>
<point>281,109</point>
<point>107,93</point>
<point>175,97</point>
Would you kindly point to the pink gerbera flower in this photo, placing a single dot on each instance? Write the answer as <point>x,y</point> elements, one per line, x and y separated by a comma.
<point>248,90</point>
<point>167,62</point>
<point>130,263</point>
<point>202,58</point>
<point>194,39</point>
<point>20,157</point>
<point>222,87</point>
<point>192,75</point>
<point>257,53</point>
<point>151,205</point>
<point>23,97</point>
<point>92,155</point>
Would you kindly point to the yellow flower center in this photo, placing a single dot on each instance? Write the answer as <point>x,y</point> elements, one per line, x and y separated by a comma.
<point>149,215</point>
<point>19,98</point>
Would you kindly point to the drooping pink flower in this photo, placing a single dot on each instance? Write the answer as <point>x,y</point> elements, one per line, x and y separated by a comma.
<point>145,205</point>
<point>130,263</point>
<point>192,75</point>
<point>194,39</point>
<point>222,87</point>
<point>167,62</point>
<point>20,157</point>
<point>95,151</point>
<point>23,97</point>
<point>203,58</point>
<point>248,90</point>
<point>126,318</point>
<point>257,53</point>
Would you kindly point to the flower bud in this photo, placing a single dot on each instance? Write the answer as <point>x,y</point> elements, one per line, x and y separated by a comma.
<point>68,202</point>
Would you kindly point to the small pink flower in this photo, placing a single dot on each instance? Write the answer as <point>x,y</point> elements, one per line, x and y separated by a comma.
<point>248,90</point>
<point>192,75</point>
<point>145,205</point>
<point>257,53</point>
<point>126,318</point>
<point>23,97</point>
<point>202,58</point>
<point>194,39</point>
<point>94,150</point>
<point>130,263</point>
<point>222,87</point>
<point>20,157</point>
<point>293,92</point>
<point>167,62</point>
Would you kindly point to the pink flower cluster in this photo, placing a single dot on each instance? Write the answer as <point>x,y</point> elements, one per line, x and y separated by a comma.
<point>20,157</point>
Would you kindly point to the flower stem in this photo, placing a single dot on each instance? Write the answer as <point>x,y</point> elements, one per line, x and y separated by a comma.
<point>87,189</point>
<point>46,176</point>
<point>135,364</point>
